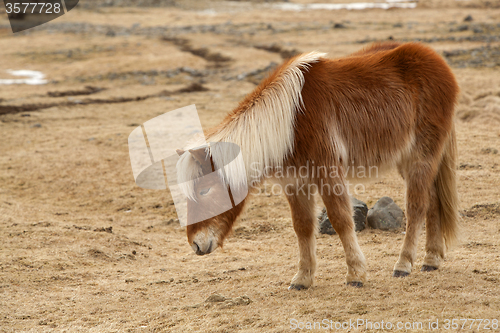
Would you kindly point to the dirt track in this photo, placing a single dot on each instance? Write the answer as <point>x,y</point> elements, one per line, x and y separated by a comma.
<point>84,249</point>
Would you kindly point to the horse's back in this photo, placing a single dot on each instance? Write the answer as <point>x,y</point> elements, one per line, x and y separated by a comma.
<point>376,103</point>
<point>431,78</point>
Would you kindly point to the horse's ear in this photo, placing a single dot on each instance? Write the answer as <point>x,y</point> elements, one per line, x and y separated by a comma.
<point>199,154</point>
<point>180,151</point>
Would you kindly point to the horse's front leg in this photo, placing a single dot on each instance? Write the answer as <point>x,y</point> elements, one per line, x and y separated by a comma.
<point>304,223</point>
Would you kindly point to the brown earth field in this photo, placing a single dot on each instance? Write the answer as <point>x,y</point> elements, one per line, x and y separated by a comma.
<point>84,249</point>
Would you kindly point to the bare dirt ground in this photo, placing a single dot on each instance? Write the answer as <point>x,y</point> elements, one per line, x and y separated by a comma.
<point>83,249</point>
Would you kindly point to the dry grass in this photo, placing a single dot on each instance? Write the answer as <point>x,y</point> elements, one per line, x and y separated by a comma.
<point>62,185</point>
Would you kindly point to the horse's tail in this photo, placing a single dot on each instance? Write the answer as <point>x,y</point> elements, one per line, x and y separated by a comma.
<point>446,188</point>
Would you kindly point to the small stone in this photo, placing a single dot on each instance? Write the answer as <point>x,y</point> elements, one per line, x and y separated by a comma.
<point>477,30</point>
<point>242,300</point>
<point>489,150</point>
<point>339,26</point>
<point>385,215</point>
<point>108,230</point>
<point>468,18</point>
<point>195,306</point>
<point>37,125</point>
<point>214,298</point>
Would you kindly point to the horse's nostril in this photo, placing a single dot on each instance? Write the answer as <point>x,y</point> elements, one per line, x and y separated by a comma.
<point>197,250</point>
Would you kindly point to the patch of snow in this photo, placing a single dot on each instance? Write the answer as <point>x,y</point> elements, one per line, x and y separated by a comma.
<point>33,77</point>
<point>349,6</point>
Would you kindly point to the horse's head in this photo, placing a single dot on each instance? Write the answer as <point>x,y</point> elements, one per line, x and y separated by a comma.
<point>210,207</point>
<point>206,236</point>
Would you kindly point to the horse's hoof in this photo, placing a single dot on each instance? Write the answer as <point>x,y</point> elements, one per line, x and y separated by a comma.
<point>355,284</point>
<point>296,287</point>
<point>427,268</point>
<point>397,273</point>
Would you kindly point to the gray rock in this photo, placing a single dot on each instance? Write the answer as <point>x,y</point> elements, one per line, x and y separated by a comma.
<point>468,18</point>
<point>37,125</point>
<point>360,209</point>
<point>385,215</point>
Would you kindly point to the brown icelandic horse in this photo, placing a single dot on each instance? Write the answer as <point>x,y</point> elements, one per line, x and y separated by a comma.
<point>388,105</point>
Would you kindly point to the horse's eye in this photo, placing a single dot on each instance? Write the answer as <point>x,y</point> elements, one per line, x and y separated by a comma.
<point>205,191</point>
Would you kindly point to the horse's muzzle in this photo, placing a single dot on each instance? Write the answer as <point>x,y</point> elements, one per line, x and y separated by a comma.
<point>201,252</point>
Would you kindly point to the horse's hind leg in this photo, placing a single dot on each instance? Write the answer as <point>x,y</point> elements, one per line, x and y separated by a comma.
<point>434,246</point>
<point>304,224</point>
<point>419,177</point>
<point>339,212</point>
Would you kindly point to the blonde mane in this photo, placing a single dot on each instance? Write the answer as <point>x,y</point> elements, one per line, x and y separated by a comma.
<point>263,125</point>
